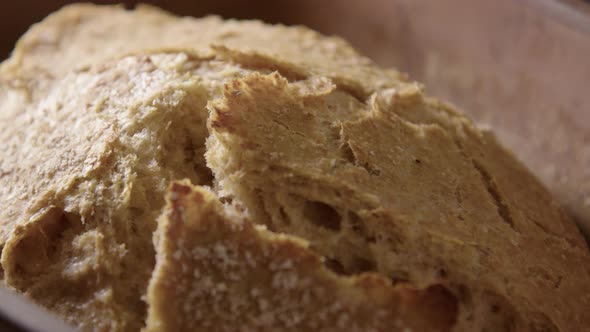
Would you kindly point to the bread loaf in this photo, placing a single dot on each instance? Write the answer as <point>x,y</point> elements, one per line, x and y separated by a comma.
<point>342,196</point>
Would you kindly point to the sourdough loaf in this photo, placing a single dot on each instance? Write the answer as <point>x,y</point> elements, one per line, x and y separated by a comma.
<point>398,195</point>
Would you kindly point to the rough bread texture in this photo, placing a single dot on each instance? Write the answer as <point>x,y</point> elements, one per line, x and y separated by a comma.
<point>87,167</point>
<point>402,186</point>
<point>101,109</point>
<point>217,271</point>
<point>82,35</point>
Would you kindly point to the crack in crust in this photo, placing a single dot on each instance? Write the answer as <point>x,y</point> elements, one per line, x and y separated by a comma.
<point>492,188</point>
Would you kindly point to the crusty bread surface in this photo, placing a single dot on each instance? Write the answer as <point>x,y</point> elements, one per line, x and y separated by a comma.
<point>180,174</point>
<point>257,280</point>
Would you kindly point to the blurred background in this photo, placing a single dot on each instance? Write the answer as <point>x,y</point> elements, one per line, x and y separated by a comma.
<point>520,67</point>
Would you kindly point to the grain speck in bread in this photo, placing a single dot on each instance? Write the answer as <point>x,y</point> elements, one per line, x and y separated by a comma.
<point>101,109</point>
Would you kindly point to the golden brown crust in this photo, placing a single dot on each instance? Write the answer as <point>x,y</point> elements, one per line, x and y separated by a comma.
<point>307,137</point>
<point>89,164</point>
<point>80,35</point>
<point>405,187</point>
<point>219,272</point>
